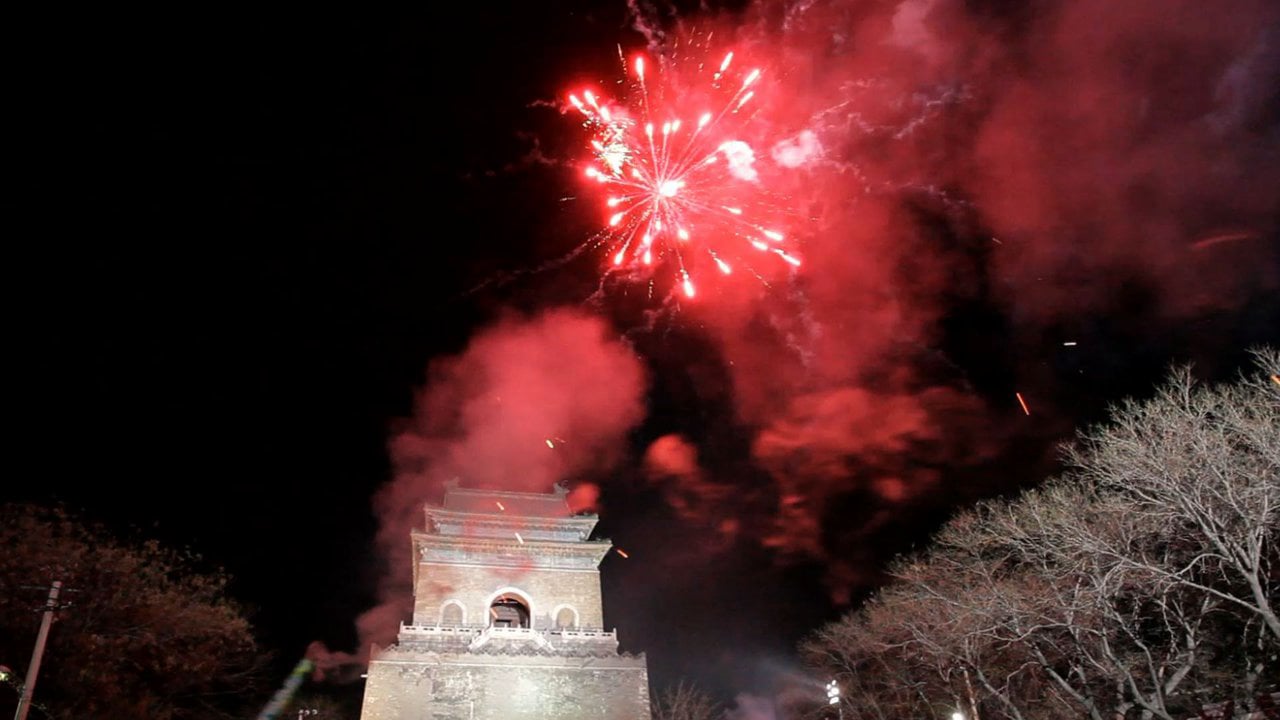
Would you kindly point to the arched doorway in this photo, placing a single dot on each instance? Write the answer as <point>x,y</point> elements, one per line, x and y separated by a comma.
<point>509,611</point>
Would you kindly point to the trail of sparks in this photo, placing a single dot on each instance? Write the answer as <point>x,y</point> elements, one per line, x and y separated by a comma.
<point>678,187</point>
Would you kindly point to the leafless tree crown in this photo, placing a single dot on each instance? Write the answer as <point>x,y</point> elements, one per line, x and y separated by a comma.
<point>1141,582</point>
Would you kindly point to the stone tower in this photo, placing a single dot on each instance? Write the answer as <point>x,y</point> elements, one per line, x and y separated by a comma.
<point>507,619</point>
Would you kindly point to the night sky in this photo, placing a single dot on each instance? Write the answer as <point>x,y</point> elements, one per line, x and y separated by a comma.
<point>236,242</point>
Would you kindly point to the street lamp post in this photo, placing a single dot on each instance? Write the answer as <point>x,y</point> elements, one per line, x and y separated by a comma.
<point>833,698</point>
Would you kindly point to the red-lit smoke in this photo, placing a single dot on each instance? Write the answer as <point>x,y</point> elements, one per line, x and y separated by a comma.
<point>1036,158</point>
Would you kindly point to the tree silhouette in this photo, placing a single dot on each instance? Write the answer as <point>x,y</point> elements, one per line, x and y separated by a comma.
<point>1141,582</point>
<point>686,702</point>
<point>141,634</point>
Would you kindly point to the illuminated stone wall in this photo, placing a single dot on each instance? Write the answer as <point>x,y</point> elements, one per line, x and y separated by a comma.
<point>497,687</point>
<point>473,587</point>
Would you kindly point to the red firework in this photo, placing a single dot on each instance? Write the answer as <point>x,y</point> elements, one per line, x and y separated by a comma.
<point>680,181</point>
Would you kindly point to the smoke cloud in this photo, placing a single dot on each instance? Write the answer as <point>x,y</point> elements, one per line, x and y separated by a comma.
<point>796,151</point>
<point>530,402</point>
<point>1047,161</point>
<point>671,463</point>
<point>741,159</point>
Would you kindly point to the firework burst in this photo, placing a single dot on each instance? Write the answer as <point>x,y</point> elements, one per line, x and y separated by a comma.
<point>680,183</point>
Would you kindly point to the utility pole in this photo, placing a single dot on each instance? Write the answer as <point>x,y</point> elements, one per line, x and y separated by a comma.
<point>29,682</point>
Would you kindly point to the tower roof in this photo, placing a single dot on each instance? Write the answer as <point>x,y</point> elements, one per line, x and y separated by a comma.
<point>519,504</point>
<point>473,512</point>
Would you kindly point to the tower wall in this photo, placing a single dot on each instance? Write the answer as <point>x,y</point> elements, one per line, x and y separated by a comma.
<point>453,687</point>
<point>546,589</point>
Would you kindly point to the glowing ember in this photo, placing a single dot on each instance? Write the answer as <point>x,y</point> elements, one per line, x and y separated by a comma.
<point>1275,379</point>
<point>622,552</point>
<point>550,444</point>
<point>679,191</point>
<point>500,506</point>
<point>1023,403</point>
<point>520,538</point>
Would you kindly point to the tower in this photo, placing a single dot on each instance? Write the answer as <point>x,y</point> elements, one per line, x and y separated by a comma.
<point>508,622</point>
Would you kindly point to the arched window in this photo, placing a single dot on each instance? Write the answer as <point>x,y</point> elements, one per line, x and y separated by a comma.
<point>509,611</point>
<point>452,613</point>
<point>566,617</point>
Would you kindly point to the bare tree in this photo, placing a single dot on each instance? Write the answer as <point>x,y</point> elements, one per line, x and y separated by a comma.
<point>1104,644</point>
<point>686,702</point>
<point>1140,581</point>
<point>1197,470</point>
<point>881,673</point>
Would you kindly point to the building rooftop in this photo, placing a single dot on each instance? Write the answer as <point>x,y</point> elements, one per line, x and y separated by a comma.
<point>518,504</point>
<point>525,524</point>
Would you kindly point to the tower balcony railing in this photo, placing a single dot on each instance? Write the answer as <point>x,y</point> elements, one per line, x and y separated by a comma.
<point>467,631</point>
<point>584,633</point>
<point>439,629</point>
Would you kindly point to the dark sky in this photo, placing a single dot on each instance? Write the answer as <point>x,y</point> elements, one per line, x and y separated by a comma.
<point>236,240</point>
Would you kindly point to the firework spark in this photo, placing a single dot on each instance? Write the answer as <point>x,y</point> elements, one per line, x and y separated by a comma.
<point>681,187</point>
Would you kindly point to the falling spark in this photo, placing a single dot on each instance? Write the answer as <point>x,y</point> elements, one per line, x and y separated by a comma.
<point>1223,238</point>
<point>672,201</point>
<point>1023,403</point>
<point>1070,343</point>
<point>790,260</point>
<point>520,538</point>
<point>622,552</point>
<point>1275,379</point>
<point>550,444</point>
<point>501,507</point>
